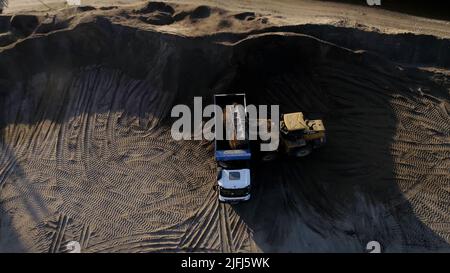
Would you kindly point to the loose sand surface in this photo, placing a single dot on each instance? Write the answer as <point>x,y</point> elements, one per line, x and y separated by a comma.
<point>86,152</point>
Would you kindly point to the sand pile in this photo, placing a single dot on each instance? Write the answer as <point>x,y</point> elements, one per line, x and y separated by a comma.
<point>86,152</point>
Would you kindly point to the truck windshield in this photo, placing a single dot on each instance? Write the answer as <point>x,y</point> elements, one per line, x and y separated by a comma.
<point>234,192</point>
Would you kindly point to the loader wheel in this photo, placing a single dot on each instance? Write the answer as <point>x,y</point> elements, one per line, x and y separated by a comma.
<point>304,151</point>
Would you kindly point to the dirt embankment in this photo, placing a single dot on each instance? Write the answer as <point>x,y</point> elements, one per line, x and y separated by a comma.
<point>86,152</point>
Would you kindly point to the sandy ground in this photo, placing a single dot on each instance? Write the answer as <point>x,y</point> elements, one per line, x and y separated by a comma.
<point>86,152</point>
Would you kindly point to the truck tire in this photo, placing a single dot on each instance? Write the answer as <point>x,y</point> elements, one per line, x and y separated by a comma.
<point>222,164</point>
<point>269,157</point>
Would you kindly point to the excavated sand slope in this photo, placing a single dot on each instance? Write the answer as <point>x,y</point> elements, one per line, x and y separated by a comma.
<point>86,152</point>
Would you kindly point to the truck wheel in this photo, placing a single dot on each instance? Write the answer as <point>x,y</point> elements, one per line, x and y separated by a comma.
<point>269,157</point>
<point>219,172</point>
<point>304,151</point>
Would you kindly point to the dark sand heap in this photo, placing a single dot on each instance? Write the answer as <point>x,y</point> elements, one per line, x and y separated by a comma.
<point>86,152</point>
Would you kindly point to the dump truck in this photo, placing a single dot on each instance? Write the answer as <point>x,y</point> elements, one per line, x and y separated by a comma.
<point>232,154</point>
<point>298,136</point>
